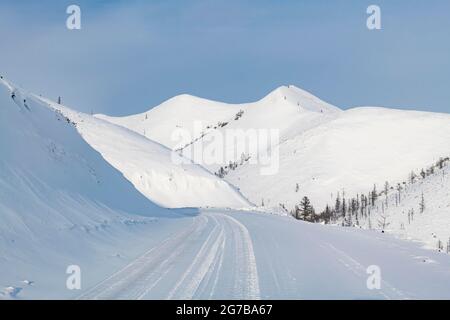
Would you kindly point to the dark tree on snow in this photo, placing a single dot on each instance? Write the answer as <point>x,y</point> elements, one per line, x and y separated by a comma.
<point>423,174</point>
<point>306,209</point>
<point>337,206</point>
<point>327,214</point>
<point>422,204</point>
<point>344,207</point>
<point>412,177</point>
<point>374,195</point>
<point>386,191</point>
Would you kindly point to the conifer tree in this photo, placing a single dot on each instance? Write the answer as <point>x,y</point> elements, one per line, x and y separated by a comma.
<point>422,204</point>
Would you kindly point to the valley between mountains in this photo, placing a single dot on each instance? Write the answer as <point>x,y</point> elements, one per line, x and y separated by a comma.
<point>143,216</point>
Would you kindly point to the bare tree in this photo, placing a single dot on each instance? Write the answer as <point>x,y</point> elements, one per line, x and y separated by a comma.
<point>382,222</point>
<point>386,191</point>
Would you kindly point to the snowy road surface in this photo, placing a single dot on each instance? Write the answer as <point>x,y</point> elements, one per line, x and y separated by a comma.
<point>212,257</point>
<point>242,255</point>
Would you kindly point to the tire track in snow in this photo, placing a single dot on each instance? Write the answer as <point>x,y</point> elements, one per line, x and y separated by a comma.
<point>246,280</point>
<point>145,272</point>
<point>209,259</point>
<point>166,266</point>
<point>162,267</point>
<point>218,267</point>
<point>201,266</point>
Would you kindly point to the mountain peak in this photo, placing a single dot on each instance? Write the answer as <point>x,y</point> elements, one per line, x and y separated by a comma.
<point>292,95</point>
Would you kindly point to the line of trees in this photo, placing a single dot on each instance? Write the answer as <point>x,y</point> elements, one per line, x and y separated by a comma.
<point>232,165</point>
<point>352,211</point>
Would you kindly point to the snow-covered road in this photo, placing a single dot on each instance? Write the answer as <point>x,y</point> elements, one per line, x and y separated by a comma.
<point>212,257</point>
<point>242,255</point>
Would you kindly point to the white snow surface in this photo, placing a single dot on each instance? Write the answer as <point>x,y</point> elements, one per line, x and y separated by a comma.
<point>322,148</point>
<point>362,147</point>
<point>428,227</point>
<point>150,167</point>
<point>288,109</point>
<point>62,203</point>
<point>227,254</point>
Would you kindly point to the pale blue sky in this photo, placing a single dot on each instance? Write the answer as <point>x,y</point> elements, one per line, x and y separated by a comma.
<point>132,55</point>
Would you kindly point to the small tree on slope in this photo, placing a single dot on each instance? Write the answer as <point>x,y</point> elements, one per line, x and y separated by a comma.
<point>382,222</point>
<point>422,204</point>
<point>306,209</point>
<point>374,195</point>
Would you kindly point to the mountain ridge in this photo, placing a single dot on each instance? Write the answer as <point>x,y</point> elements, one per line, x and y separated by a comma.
<point>353,143</point>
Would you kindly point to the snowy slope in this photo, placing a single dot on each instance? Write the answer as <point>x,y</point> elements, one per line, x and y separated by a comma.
<point>321,148</point>
<point>62,204</point>
<point>180,112</point>
<point>402,209</point>
<point>361,147</point>
<point>150,167</point>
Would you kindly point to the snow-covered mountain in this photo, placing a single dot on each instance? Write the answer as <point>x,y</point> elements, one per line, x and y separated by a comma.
<point>62,203</point>
<point>288,109</point>
<point>322,149</point>
<point>363,146</point>
<point>149,165</point>
<point>66,199</point>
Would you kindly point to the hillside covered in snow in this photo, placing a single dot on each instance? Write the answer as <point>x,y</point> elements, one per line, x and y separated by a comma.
<point>319,150</point>
<point>61,203</point>
<point>415,208</point>
<point>89,191</point>
<point>149,165</point>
